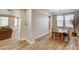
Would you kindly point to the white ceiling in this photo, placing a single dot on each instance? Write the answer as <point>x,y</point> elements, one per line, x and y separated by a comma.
<point>60,11</point>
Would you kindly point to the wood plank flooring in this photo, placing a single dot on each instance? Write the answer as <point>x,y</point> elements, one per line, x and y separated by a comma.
<point>43,43</point>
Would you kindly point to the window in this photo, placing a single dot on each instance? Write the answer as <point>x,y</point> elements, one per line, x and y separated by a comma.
<point>65,21</point>
<point>68,19</point>
<point>60,21</point>
<point>4,21</point>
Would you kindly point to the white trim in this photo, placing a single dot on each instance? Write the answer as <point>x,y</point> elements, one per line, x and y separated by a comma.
<point>42,35</point>
<point>31,42</point>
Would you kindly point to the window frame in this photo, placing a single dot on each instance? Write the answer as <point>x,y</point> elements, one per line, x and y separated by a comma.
<point>58,21</point>
<point>64,21</point>
<point>67,21</point>
<point>2,20</point>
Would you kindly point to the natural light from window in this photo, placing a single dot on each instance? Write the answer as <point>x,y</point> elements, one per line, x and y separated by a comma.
<point>68,19</point>
<point>4,21</point>
<point>60,21</point>
<point>65,21</point>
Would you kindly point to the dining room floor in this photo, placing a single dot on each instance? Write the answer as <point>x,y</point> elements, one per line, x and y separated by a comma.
<point>54,44</point>
<point>43,43</point>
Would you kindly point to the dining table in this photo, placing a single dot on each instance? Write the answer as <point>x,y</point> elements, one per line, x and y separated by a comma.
<point>60,35</point>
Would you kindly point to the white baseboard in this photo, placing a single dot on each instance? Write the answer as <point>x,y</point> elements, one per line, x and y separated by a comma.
<point>42,35</point>
<point>31,42</point>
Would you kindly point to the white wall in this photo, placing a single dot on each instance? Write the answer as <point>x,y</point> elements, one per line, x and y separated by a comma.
<point>40,23</point>
<point>34,23</point>
<point>26,24</point>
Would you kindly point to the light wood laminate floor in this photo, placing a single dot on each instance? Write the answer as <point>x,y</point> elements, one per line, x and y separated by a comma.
<point>43,43</point>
